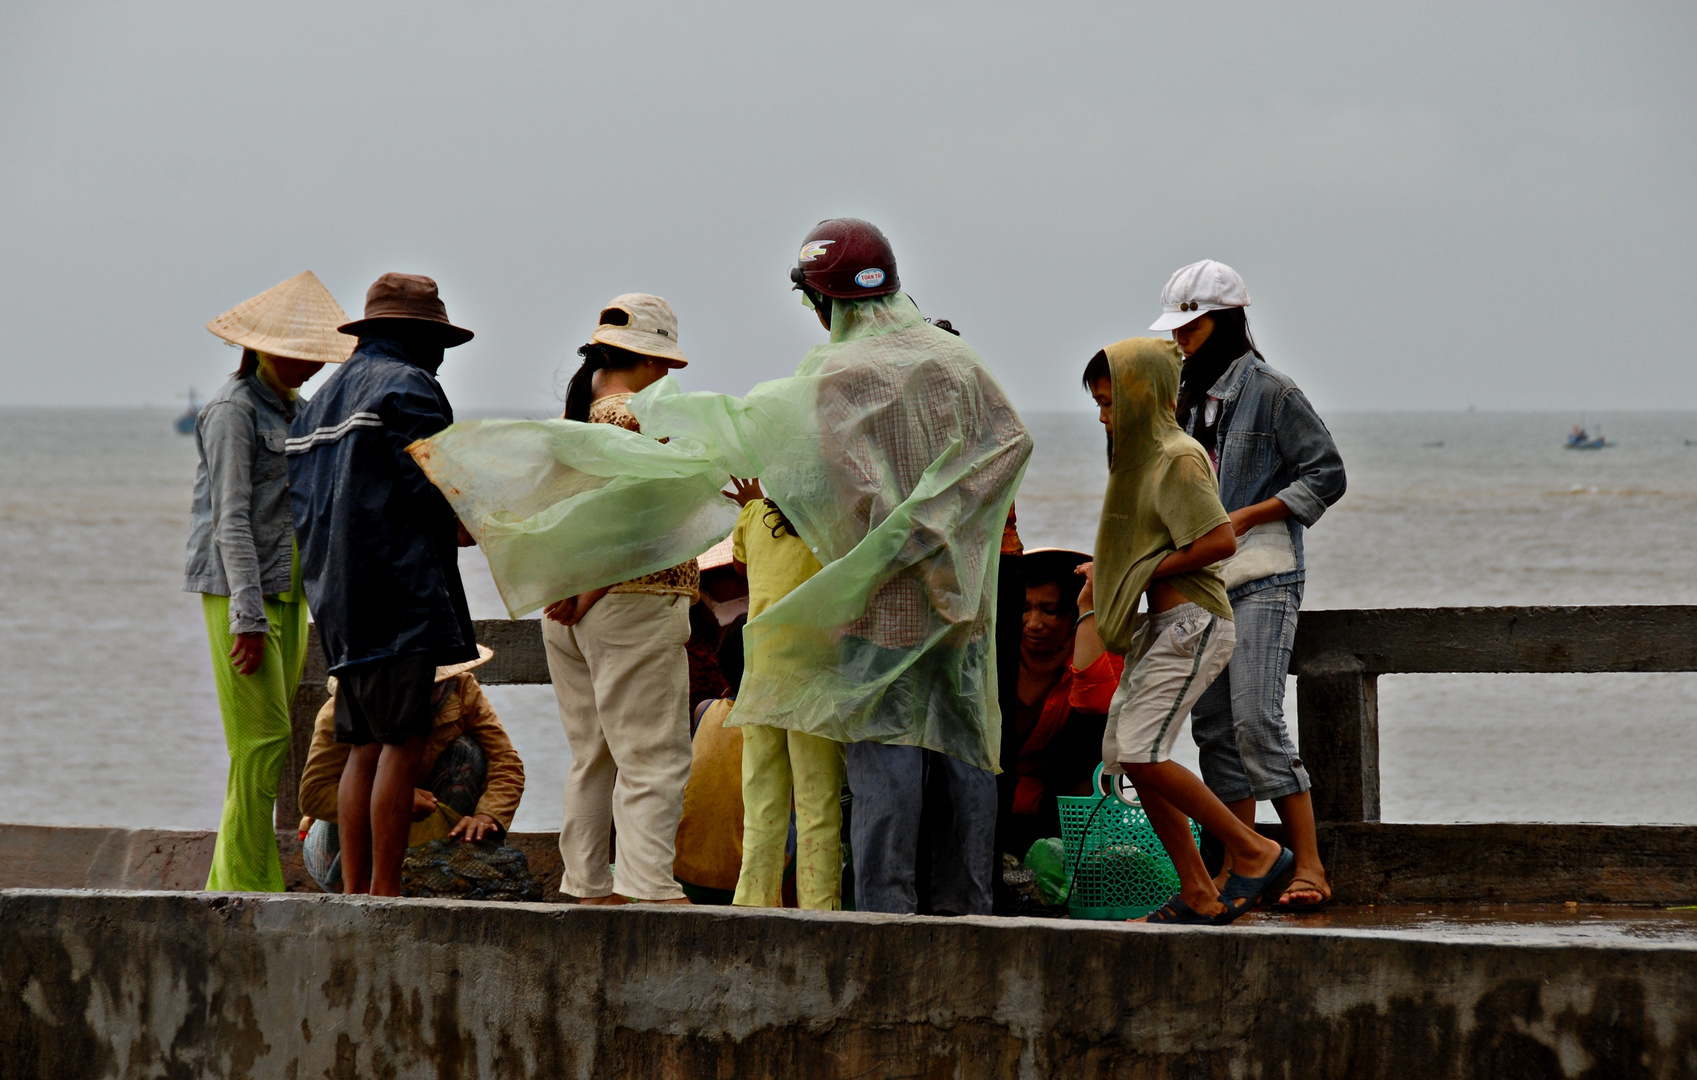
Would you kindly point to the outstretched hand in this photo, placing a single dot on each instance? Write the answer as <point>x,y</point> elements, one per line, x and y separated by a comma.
<point>474,828</point>
<point>746,491</point>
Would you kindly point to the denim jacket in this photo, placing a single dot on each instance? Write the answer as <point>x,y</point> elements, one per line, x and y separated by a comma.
<point>1271,444</point>
<point>241,534</point>
<point>378,542</point>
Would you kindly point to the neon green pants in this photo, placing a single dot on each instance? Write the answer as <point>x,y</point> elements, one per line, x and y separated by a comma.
<point>255,709</point>
<point>775,763</point>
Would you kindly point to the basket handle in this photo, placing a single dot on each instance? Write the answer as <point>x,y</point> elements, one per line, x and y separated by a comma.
<point>1122,788</point>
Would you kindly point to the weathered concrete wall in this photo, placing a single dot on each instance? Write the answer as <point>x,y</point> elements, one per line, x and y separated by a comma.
<point>131,984</point>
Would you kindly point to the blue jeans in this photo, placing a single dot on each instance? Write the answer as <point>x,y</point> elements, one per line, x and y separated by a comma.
<point>892,786</point>
<point>1239,722</point>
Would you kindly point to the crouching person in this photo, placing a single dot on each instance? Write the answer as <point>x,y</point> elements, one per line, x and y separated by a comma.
<point>471,778</point>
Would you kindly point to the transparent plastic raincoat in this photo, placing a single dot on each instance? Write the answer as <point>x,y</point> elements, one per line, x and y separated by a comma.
<point>893,451</point>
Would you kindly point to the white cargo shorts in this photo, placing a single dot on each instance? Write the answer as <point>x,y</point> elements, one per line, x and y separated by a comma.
<point>1175,655</point>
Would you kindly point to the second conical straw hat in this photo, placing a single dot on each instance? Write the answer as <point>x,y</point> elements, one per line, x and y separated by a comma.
<point>295,318</point>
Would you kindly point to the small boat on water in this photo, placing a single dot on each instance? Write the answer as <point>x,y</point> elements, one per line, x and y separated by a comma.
<point>185,423</point>
<point>1580,439</point>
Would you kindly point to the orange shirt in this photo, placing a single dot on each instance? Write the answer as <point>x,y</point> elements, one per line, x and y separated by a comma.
<point>1089,690</point>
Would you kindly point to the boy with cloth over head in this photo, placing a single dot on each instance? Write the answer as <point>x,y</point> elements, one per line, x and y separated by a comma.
<point>379,560</point>
<point>1162,531</point>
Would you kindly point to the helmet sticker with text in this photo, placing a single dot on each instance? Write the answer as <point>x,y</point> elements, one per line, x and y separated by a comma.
<point>870,278</point>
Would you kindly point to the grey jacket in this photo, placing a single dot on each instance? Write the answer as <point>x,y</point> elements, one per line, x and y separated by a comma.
<point>1270,443</point>
<point>241,530</point>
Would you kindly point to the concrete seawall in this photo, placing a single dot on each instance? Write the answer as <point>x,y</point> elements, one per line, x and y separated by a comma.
<point>162,984</point>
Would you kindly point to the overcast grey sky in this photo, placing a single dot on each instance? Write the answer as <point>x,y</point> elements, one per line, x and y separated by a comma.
<point>1434,205</point>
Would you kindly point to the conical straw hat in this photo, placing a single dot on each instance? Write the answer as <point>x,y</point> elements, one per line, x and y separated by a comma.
<point>297,318</point>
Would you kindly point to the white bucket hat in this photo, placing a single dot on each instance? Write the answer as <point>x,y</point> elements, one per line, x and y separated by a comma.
<point>296,318</point>
<point>1197,289</point>
<point>643,324</point>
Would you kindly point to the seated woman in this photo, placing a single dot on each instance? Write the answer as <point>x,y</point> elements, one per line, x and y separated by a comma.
<point>1055,711</point>
<point>472,777</point>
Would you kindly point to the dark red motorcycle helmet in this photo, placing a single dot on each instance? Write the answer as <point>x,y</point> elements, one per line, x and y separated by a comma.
<point>846,259</point>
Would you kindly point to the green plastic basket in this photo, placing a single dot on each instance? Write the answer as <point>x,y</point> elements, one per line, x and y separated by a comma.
<point>1116,866</point>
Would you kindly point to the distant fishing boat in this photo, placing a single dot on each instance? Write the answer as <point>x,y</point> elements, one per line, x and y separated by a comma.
<point>1580,439</point>
<point>185,423</point>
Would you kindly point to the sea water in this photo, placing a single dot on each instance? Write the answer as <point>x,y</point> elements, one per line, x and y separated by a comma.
<point>108,717</point>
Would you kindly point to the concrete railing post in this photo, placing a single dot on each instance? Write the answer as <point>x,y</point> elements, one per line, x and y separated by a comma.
<point>310,696</point>
<point>1337,716</point>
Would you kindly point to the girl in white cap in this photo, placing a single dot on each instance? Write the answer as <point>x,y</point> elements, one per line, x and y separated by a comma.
<point>1278,470</point>
<point>243,562</point>
<point>616,656</point>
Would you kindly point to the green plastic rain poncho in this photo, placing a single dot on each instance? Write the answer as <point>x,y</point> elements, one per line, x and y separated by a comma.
<point>892,450</point>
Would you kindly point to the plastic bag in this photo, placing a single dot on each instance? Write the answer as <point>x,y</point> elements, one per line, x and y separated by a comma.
<point>1047,859</point>
<point>560,508</point>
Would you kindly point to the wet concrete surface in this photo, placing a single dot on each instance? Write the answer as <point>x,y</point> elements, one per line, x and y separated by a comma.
<point>1510,924</point>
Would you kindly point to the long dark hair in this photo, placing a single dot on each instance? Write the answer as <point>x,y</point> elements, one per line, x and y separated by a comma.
<point>775,520</point>
<point>580,392</point>
<point>250,364</point>
<point>1230,340</point>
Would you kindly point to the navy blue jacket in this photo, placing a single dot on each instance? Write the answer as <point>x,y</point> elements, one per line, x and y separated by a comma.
<point>378,543</point>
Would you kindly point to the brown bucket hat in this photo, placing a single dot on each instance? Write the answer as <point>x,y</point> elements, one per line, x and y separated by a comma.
<point>409,297</point>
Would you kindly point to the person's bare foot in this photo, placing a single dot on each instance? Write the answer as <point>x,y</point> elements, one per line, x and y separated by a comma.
<point>1308,888</point>
<point>683,900</point>
<point>610,900</point>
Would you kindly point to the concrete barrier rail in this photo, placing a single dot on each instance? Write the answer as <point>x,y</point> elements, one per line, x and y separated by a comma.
<point>1338,658</point>
<point>162,984</point>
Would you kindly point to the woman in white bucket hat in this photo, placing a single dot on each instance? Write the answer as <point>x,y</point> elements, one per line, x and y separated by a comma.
<point>616,655</point>
<point>242,559</point>
<point>1278,470</point>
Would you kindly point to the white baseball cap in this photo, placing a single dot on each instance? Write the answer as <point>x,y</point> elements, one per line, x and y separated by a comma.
<point>1197,289</point>
<point>641,323</point>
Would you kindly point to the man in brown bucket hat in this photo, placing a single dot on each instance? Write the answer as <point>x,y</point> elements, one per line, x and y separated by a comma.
<point>380,562</point>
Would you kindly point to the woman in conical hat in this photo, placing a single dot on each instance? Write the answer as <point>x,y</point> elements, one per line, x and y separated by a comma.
<point>242,560</point>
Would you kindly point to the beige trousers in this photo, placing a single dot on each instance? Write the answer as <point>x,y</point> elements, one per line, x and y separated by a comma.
<point>622,681</point>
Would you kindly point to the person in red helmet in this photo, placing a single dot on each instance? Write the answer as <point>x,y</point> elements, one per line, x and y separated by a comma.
<point>898,408</point>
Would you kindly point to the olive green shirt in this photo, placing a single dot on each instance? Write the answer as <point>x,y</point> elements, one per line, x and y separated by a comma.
<point>1162,494</point>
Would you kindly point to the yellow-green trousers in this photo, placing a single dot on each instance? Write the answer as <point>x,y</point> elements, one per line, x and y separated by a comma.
<point>255,709</point>
<point>776,765</point>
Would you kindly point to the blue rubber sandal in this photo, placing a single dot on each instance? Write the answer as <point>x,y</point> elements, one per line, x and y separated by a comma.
<point>1242,893</point>
<point>1176,912</point>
